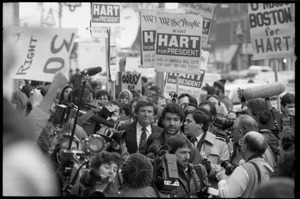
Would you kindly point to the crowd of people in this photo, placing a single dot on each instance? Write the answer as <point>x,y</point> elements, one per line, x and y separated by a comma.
<point>67,138</point>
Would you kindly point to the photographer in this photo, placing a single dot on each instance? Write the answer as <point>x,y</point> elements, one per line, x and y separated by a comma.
<point>191,183</point>
<point>246,177</point>
<point>213,151</point>
<point>102,179</point>
<point>242,125</point>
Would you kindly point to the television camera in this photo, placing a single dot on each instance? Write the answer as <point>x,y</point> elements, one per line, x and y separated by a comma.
<point>75,164</point>
<point>165,170</point>
<point>173,96</point>
<point>76,167</point>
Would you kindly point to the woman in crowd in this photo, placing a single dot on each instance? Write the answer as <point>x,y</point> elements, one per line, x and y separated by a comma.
<point>125,96</point>
<point>103,179</point>
<point>63,99</point>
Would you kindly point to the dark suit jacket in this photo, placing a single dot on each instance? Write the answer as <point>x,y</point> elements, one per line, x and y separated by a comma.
<point>131,140</point>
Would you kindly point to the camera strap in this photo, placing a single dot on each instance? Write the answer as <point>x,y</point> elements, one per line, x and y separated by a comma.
<point>258,172</point>
<point>198,169</point>
<point>77,173</point>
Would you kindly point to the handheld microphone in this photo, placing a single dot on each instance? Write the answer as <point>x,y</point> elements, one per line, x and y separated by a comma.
<point>91,71</point>
<point>263,91</point>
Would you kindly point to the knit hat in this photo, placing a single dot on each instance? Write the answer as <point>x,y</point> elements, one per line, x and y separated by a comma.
<point>137,171</point>
<point>220,84</point>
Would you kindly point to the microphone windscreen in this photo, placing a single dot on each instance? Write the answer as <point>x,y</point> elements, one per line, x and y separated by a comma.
<point>263,91</point>
<point>91,71</point>
<point>103,121</point>
<point>94,71</point>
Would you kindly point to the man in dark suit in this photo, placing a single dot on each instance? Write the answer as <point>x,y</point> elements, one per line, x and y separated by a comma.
<point>139,130</point>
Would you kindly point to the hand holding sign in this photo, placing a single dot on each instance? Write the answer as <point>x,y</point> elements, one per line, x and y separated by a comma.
<point>35,97</point>
<point>60,79</point>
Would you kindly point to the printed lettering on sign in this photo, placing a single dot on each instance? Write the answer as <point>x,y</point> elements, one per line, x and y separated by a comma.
<point>105,13</point>
<point>43,52</point>
<point>272,30</point>
<point>149,40</point>
<point>169,44</point>
<point>207,10</point>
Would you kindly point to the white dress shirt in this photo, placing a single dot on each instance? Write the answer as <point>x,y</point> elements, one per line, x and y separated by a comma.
<point>139,132</point>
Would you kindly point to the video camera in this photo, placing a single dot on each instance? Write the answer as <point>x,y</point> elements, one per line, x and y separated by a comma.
<point>75,164</point>
<point>173,96</point>
<point>165,171</point>
<point>64,113</point>
<point>223,123</point>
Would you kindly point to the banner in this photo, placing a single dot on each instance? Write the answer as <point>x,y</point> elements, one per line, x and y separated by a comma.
<point>187,83</point>
<point>207,10</point>
<point>42,52</point>
<point>130,80</point>
<point>104,15</point>
<point>178,43</point>
<point>272,30</point>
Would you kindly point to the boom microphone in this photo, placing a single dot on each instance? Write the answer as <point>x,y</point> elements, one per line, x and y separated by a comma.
<point>91,71</point>
<point>263,91</point>
<point>103,121</point>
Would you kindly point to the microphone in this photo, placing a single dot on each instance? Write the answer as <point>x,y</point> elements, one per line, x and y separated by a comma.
<point>263,91</point>
<point>91,71</point>
<point>103,121</point>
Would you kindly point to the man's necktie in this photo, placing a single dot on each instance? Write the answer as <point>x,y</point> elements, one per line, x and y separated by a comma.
<point>143,140</point>
<point>193,141</point>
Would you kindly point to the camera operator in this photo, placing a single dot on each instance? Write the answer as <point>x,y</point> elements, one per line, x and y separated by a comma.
<point>213,151</point>
<point>191,183</point>
<point>288,111</point>
<point>59,163</point>
<point>246,177</point>
<point>220,106</point>
<point>172,118</point>
<point>88,105</point>
<point>259,110</point>
<point>102,180</point>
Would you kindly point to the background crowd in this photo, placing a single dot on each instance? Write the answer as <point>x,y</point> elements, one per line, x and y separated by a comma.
<point>201,149</point>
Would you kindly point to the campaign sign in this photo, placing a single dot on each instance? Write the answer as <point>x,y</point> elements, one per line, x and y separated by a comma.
<point>190,84</point>
<point>187,83</point>
<point>42,52</point>
<point>272,30</point>
<point>148,19</point>
<point>148,33</point>
<point>105,15</point>
<point>178,43</point>
<point>131,80</point>
<point>207,11</point>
